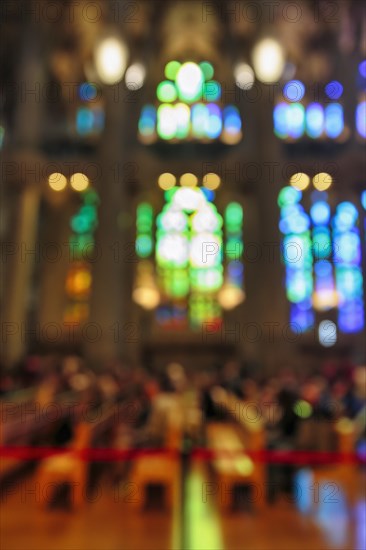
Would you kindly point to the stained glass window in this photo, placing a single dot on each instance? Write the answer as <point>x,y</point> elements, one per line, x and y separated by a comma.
<point>298,113</point>
<point>321,251</point>
<point>78,282</point>
<point>189,106</point>
<point>194,253</point>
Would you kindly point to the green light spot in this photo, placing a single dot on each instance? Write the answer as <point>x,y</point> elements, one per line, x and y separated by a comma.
<point>234,214</point>
<point>90,197</point>
<point>288,196</point>
<point>82,224</point>
<point>212,91</point>
<point>234,249</point>
<point>144,246</point>
<point>168,195</point>
<point>166,92</point>
<point>207,69</point>
<point>171,69</point>
<point>303,409</point>
<point>81,244</point>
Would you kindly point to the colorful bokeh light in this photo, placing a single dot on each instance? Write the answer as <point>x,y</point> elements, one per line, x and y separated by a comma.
<point>293,120</point>
<point>198,253</point>
<point>188,108</point>
<point>322,256</point>
<point>78,282</point>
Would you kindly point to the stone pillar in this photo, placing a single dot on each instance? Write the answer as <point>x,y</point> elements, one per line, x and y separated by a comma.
<point>19,273</point>
<point>277,348</point>
<point>106,301</point>
<point>268,305</point>
<point>22,149</point>
<point>55,262</point>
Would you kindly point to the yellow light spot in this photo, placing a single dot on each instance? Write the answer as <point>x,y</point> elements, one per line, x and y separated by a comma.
<point>345,425</point>
<point>231,138</point>
<point>245,466</point>
<point>79,182</point>
<point>166,181</point>
<point>57,181</point>
<point>300,181</point>
<point>78,282</point>
<point>322,301</point>
<point>230,296</point>
<point>82,281</point>
<point>322,181</point>
<point>188,180</point>
<point>211,181</point>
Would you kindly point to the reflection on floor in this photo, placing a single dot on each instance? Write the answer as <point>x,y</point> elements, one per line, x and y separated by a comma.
<point>108,521</point>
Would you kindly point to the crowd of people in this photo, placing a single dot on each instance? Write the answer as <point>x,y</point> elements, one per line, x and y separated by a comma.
<point>296,410</point>
<point>282,402</point>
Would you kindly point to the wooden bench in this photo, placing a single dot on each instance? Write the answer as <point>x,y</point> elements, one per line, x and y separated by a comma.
<point>161,469</point>
<point>232,467</point>
<point>10,412</point>
<point>72,467</point>
<point>253,432</point>
<point>342,475</point>
<point>25,418</point>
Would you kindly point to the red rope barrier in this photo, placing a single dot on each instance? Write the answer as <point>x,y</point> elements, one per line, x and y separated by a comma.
<point>114,455</point>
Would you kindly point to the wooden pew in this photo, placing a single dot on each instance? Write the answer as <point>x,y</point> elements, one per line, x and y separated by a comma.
<point>71,467</point>
<point>10,413</point>
<point>343,474</point>
<point>25,418</point>
<point>251,431</point>
<point>161,469</point>
<point>232,467</point>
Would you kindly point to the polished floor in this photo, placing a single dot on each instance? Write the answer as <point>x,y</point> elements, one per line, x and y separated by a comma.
<point>109,522</point>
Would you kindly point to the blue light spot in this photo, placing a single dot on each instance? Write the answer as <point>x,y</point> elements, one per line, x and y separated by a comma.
<point>87,91</point>
<point>323,269</point>
<point>235,269</point>
<point>320,213</point>
<point>351,317</point>
<point>84,121</point>
<point>361,119</point>
<point>363,199</point>
<point>232,124</point>
<point>214,128</point>
<point>362,68</point>
<point>229,110</point>
<point>314,120</point>
<point>280,120</point>
<point>346,216</point>
<point>302,320</point>
<point>294,90</point>
<point>295,118</point>
<point>347,248</point>
<point>210,195</point>
<point>291,210</point>
<point>305,305</point>
<point>334,123</point>
<point>149,111</point>
<point>334,89</point>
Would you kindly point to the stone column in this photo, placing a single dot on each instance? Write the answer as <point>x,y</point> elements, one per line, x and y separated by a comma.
<point>106,300</point>
<point>22,150</point>
<point>54,266</point>
<point>21,259</point>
